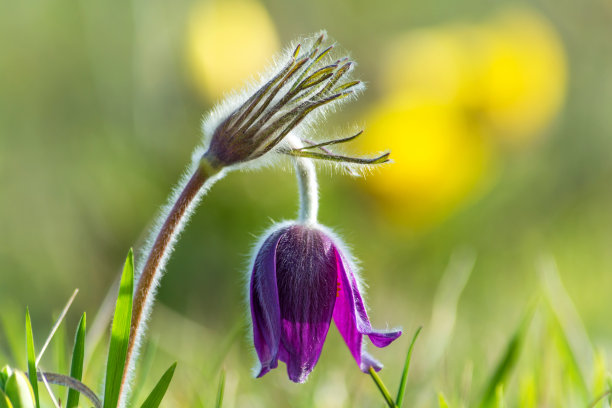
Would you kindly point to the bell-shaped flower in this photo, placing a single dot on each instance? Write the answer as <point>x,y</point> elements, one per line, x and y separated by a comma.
<point>302,278</point>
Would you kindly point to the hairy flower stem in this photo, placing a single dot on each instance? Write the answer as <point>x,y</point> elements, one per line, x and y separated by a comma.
<point>307,186</point>
<point>309,190</point>
<point>203,177</point>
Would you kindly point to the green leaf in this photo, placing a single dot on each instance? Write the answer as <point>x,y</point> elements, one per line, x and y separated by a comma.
<point>19,391</point>
<point>120,335</point>
<point>76,367</point>
<point>220,390</point>
<point>5,373</point>
<point>155,397</point>
<point>4,401</point>
<point>31,357</point>
<point>402,387</point>
<point>507,363</point>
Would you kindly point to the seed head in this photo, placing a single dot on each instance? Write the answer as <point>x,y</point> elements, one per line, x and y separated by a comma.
<point>310,80</point>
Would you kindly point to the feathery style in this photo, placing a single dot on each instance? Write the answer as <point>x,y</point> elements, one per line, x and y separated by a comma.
<point>247,127</point>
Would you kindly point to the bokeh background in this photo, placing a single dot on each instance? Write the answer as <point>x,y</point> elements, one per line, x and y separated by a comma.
<point>499,121</point>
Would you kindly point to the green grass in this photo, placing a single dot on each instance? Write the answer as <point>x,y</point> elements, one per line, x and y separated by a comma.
<point>547,360</point>
<point>31,358</point>
<point>76,366</point>
<point>120,335</point>
<point>157,394</point>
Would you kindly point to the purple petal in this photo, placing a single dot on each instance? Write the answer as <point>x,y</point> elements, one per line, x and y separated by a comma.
<point>352,319</point>
<point>306,278</point>
<point>265,308</point>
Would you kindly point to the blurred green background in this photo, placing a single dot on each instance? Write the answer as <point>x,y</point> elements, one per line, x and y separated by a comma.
<point>498,118</point>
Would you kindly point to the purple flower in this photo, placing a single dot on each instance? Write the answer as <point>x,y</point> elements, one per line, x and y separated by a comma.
<point>301,279</point>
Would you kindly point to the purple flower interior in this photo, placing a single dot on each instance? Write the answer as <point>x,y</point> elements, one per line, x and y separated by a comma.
<point>306,278</point>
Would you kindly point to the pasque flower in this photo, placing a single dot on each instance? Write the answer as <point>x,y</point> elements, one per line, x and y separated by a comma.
<point>266,120</point>
<point>302,278</point>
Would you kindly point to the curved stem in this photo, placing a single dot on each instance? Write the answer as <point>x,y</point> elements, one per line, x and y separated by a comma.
<point>202,178</point>
<point>309,190</point>
<point>66,381</point>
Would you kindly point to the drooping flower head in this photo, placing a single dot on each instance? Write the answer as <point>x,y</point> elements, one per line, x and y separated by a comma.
<point>246,127</point>
<point>302,278</point>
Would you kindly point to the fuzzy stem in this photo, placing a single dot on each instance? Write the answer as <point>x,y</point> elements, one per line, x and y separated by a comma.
<point>202,178</point>
<point>309,190</point>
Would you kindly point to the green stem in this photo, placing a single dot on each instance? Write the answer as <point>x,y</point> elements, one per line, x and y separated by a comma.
<point>383,389</point>
<point>402,388</point>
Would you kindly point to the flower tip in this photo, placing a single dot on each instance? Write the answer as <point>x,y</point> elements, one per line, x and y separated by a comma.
<point>261,372</point>
<point>263,368</point>
<point>383,158</point>
<point>383,339</point>
<point>298,379</point>
<point>296,52</point>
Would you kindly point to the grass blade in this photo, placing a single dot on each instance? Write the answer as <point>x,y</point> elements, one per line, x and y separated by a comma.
<point>155,397</point>
<point>57,324</point>
<point>382,388</point>
<point>221,390</point>
<point>402,387</point>
<point>76,367</point>
<point>31,357</point>
<point>120,335</point>
<point>506,364</point>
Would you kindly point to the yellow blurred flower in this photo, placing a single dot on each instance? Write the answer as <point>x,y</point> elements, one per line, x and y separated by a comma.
<point>436,62</point>
<point>228,41</point>
<point>452,96</point>
<point>523,76</point>
<point>440,156</point>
